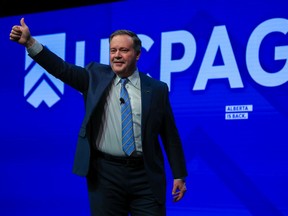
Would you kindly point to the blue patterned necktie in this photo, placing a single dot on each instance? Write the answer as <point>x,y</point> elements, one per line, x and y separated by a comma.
<point>128,142</point>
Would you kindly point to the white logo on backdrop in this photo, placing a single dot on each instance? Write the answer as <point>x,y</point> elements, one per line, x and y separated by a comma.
<point>39,85</point>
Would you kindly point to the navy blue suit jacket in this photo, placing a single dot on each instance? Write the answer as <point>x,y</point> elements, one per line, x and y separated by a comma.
<point>157,118</point>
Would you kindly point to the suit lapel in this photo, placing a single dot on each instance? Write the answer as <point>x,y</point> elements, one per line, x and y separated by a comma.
<point>97,91</point>
<point>146,94</point>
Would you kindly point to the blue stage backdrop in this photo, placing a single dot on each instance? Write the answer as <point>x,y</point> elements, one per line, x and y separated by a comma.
<point>226,66</point>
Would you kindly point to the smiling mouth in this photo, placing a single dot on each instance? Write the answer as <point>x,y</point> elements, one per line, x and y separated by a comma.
<point>118,63</point>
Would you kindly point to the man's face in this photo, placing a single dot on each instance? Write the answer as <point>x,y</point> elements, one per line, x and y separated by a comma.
<point>123,57</point>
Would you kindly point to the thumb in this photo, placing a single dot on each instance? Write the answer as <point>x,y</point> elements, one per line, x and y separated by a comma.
<point>22,22</point>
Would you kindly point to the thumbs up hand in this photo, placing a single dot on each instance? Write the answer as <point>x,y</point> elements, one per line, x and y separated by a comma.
<point>21,34</point>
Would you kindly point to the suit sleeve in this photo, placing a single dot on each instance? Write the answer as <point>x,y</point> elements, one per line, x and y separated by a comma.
<point>75,76</point>
<point>171,139</point>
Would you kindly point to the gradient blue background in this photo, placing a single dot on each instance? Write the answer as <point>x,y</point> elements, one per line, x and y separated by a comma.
<point>236,167</point>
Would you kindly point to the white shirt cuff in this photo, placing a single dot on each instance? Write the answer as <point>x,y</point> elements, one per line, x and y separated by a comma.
<point>35,49</point>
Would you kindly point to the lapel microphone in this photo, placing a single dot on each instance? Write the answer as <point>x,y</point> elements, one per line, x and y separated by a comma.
<point>122,101</point>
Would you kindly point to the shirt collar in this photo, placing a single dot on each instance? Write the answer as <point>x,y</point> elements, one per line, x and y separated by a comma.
<point>134,79</point>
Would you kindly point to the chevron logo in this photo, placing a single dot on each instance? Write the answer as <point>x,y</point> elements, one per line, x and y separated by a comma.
<point>39,85</point>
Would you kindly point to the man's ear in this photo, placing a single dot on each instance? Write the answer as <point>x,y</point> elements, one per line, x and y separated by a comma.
<point>138,56</point>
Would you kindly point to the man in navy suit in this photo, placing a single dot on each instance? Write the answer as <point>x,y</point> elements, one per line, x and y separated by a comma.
<point>119,184</point>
